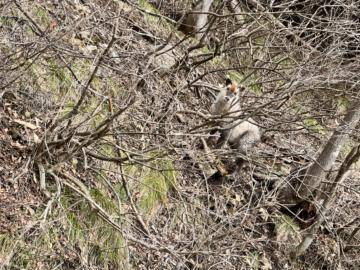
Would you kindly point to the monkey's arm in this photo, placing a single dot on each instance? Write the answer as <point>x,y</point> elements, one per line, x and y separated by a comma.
<point>219,106</point>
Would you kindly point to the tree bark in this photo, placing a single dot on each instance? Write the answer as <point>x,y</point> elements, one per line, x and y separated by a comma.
<point>350,159</point>
<point>330,152</point>
<point>201,19</point>
<point>307,180</point>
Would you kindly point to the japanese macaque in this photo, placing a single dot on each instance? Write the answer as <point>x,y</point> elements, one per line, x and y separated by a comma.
<point>240,134</point>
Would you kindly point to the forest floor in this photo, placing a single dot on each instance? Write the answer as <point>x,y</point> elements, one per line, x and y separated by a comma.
<point>140,199</point>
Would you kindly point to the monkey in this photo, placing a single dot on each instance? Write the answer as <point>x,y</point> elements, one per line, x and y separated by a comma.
<point>240,134</point>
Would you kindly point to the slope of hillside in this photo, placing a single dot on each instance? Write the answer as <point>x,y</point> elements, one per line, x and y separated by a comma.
<point>104,108</point>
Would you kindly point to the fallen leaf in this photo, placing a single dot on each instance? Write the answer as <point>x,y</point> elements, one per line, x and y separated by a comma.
<point>17,145</point>
<point>27,114</point>
<point>77,42</point>
<point>53,25</point>
<point>36,139</point>
<point>25,124</point>
<point>266,263</point>
<point>89,49</point>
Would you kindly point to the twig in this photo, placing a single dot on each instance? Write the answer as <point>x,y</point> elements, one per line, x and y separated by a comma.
<point>90,79</point>
<point>42,176</point>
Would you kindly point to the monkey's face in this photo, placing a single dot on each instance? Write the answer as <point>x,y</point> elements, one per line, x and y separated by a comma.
<point>233,88</point>
<point>230,96</point>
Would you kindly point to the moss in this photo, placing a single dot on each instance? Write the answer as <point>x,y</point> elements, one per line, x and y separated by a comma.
<point>151,20</point>
<point>42,17</point>
<point>97,83</point>
<point>148,7</point>
<point>177,216</point>
<point>308,121</point>
<point>235,76</point>
<point>82,68</point>
<point>284,62</point>
<point>287,231</point>
<point>165,26</point>
<point>342,105</point>
<point>205,49</point>
<point>7,21</point>
<point>25,252</point>
<point>154,191</point>
<point>346,149</point>
<point>256,88</point>
<point>107,150</point>
<point>254,260</point>
<point>313,125</point>
<point>60,77</point>
<point>113,87</point>
<point>48,76</point>
<point>107,245</point>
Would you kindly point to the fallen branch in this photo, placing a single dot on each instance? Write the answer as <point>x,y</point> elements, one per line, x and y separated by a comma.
<point>213,160</point>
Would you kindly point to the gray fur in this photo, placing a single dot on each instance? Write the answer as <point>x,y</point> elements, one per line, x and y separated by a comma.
<point>239,133</point>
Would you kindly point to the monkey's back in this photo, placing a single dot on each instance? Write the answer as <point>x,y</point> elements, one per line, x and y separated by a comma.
<point>244,135</point>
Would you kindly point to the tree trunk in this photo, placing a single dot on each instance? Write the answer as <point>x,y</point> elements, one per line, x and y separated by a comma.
<point>329,154</point>
<point>310,179</point>
<point>201,19</point>
<point>350,159</point>
<point>234,7</point>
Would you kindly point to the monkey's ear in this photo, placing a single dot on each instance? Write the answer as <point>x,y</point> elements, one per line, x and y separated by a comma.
<point>228,82</point>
